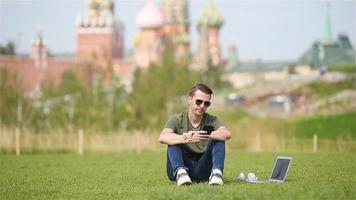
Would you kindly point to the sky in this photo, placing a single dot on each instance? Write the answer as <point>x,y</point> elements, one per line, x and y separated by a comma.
<point>278,30</point>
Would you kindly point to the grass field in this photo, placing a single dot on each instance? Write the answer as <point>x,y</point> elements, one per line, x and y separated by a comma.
<point>330,127</point>
<point>337,126</point>
<point>142,176</point>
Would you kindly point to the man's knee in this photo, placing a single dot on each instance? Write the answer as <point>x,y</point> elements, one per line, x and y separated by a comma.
<point>216,145</point>
<point>218,142</point>
<point>174,148</point>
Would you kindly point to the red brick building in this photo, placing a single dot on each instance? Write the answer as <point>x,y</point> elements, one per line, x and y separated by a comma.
<point>99,43</point>
<point>100,34</point>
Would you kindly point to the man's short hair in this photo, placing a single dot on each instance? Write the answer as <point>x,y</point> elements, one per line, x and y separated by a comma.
<point>202,87</point>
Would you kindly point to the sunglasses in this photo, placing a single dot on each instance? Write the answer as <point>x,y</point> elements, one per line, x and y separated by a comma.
<point>198,102</point>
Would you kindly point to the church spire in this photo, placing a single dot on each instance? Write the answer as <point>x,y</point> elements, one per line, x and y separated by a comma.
<point>328,30</point>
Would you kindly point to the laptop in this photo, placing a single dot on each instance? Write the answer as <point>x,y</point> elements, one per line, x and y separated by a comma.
<point>279,171</point>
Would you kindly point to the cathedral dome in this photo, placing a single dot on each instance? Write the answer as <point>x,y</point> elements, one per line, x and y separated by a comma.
<point>211,16</point>
<point>150,16</point>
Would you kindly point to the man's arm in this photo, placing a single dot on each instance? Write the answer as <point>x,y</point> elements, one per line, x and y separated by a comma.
<point>167,136</point>
<point>222,134</point>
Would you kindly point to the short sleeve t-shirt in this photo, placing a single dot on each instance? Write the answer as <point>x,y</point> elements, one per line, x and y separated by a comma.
<point>180,124</point>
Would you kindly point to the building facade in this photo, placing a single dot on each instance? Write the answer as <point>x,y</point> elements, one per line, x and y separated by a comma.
<point>209,49</point>
<point>100,43</point>
<point>100,34</point>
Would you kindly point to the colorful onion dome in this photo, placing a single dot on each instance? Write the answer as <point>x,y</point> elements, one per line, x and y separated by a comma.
<point>150,16</point>
<point>211,16</point>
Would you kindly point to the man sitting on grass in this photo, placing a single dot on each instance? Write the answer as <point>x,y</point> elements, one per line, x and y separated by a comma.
<point>193,154</point>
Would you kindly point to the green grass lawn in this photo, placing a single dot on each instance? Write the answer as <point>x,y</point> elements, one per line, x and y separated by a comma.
<point>142,176</point>
<point>343,67</point>
<point>327,127</point>
<point>336,126</point>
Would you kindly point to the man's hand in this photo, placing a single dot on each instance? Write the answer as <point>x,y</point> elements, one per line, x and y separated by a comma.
<point>167,136</point>
<point>195,136</point>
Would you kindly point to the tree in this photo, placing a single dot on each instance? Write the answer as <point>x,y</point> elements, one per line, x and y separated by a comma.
<point>212,77</point>
<point>8,49</point>
<point>11,95</point>
<point>157,92</point>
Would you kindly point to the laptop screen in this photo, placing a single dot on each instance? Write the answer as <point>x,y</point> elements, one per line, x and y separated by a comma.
<point>280,168</point>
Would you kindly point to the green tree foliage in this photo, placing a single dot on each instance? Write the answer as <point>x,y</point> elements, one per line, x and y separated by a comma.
<point>107,99</point>
<point>213,77</point>
<point>157,93</point>
<point>104,106</point>
<point>72,104</point>
<point>11,96</point>
<point>57,105</point>
<point>8,49</point>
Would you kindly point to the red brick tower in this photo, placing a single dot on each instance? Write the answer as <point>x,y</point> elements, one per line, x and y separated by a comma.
<point>99,34</point>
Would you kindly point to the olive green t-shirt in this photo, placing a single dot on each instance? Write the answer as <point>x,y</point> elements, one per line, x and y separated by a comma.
<point>180,124</point>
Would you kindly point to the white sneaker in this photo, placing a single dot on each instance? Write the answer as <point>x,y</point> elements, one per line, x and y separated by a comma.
<point>216,177</point>
<point>183,177</point>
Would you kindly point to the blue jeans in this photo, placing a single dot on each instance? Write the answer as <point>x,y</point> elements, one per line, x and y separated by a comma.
<point>199,169</point>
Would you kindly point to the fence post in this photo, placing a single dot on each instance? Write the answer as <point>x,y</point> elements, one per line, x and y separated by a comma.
<point>258,141</point>
<point>138,142</point>
<point>315,143</point>
<point>17,141</point>
<point>80,142</point>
